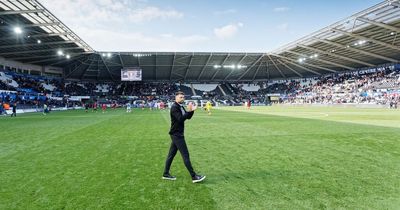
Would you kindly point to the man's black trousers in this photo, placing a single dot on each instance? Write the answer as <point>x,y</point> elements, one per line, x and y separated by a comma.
<point>178,143</point>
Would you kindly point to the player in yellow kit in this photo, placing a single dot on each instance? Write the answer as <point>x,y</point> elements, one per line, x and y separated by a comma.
<point>208,107</point>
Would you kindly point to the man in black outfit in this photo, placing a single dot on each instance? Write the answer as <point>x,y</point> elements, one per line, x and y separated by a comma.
<point>14,109</point>
<point>178,117</point>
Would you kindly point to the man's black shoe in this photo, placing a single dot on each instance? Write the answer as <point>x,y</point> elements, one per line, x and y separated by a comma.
<point>168,177</point>
<point>198,178</point>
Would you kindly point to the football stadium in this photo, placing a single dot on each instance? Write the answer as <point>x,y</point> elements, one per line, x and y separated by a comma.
<point>311,124</point>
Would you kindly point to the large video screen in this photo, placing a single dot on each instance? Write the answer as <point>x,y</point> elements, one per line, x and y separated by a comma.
<point>131,74</point>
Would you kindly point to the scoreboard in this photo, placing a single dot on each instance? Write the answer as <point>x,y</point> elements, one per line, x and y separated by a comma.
<point>131,74</point>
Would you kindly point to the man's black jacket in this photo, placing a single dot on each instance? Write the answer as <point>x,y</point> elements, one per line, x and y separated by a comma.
<point>178,117</point>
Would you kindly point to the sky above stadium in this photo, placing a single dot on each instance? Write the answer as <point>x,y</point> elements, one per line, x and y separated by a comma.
<point>198,26</point>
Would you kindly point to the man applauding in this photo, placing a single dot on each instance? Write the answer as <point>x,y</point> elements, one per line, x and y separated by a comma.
<point>178,117</point>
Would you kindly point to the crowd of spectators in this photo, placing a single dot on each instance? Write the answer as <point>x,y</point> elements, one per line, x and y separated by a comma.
<point>372,87</point>
<point>381,87</point>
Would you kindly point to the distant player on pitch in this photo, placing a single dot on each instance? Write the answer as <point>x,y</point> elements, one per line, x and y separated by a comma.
<point>128,107</point>
<point>208,107</point>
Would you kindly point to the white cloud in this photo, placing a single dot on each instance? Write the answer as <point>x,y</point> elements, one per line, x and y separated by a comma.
<point>101,12</point>
<point>283,26</point>
<point>101,24</point>
<point>106,40</point>
<point>225,12</point>
<point>281,9</point>
<point>151,13</point>
<point>192,39</point>
<point>166,35</point>
<point>227,31</point>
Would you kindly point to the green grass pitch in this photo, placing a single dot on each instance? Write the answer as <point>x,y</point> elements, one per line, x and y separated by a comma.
<point>264,158</point>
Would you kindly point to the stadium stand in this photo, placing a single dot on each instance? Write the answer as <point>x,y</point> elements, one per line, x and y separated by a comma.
<point>374,87</point>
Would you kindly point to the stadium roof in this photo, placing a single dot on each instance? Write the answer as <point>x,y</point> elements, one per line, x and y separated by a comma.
<point>29,33</point>
<point>366,39</point>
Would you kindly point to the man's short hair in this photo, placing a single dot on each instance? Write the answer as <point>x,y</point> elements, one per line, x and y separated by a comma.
<point>179,93</point>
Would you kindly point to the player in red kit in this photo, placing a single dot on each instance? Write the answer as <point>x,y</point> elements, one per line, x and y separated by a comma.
<point>103,107</point>
<point>162,105</point>
<point>94,107</point>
